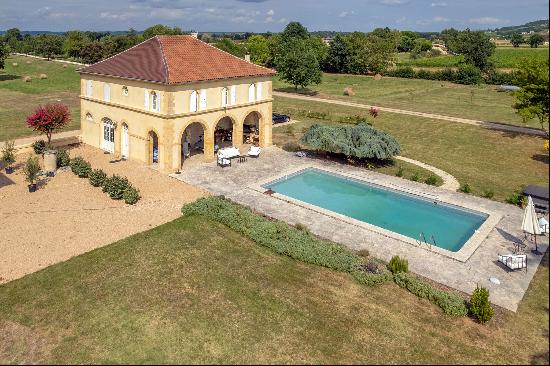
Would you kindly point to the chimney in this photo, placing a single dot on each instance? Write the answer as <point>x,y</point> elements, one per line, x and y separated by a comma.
<point>247,58</point>
<point>195,34</point>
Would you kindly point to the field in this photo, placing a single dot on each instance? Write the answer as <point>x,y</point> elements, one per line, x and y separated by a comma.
<point>485,159</point>
<point>193,291</point>
<point>18,98</point>
<point>482,102</point>
<point>503,58</point>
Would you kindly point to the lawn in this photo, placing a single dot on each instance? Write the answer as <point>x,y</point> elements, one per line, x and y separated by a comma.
<point>485,159</point>
<point>475,102</point>
<point>18,98</point>
<point>503,58</point>
<point>193,291</point>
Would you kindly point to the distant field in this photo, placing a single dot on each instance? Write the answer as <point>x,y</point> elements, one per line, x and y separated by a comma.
<point>18,98</point>
<point>475,102</point>
<point>504,57</point>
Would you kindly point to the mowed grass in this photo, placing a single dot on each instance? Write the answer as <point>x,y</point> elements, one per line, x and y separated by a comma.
<point>193,291</point>
<point>487,160</point>
<point>19,98</point>
<point>503,58</point>
<point>482,102</point>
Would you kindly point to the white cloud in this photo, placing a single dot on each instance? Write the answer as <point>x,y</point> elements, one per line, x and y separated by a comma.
<point>394,2</point>
<point>401,20</point>
<point>346,13</point>
<point>167,14</point>
<point>268,20</point>
<point>487,20</point>
<point>433,5</point>
<point>439,19</point>
<point>270,12</point>
<point>436,19</point>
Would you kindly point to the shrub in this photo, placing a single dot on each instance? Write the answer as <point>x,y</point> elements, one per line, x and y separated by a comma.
<point>291,146</point>
<point>31,169</point>
<point>480,306</point>
<point>415,177</point>
<point>131,195</point>
<point>8,153</point>
<point>301,227</point>
<point>400,172</point>
<point>398,265</point>
<point>97,177</point>
<point>278,236</point>
<point>363,253</point>
<point>516,198</point>
<point>450,303</point>
<point>39,147</point>
<point>403,72</point>
<point>62,158</point>
<point>361,141</point>
<point>465,188</point>
<point>80,167</point>
<point>372,279</point>
<point>431,180</point>
<point>115,186</point>
<point>468,74</point>
<point>488,193</point>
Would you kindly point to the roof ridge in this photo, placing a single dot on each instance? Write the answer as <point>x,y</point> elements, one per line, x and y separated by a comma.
<point>161,46</point>
<point>116,54</point>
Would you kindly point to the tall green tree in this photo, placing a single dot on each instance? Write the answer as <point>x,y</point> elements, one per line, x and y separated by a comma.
<point>258,49</point>
<point>3,53</point>
<point>294,30</point>
<point>73,43</point>
<point>297,63</point>
<point>49,45</point>
<point>516,40</point>
<point>337,55</point>
<point>12,37</point>
<point>234,48</point>
<point>532,99</point>
<point>476,47</point>
<point>93,52</point>
<point>380,52</point>
<point>536,40</point>
<point>159,30</point>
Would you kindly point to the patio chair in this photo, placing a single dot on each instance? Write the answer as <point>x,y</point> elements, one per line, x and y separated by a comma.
<point>223,161</point>
<point>254,151</point>
<point>513,261</point>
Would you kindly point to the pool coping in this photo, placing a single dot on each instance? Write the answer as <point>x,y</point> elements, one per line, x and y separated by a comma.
<point>462,255</point>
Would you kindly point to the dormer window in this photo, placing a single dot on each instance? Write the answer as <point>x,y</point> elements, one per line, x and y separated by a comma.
<point>125,91</point>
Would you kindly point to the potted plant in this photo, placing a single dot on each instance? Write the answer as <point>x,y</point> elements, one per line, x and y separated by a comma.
<point>8,156</point>
<point>31,170</point>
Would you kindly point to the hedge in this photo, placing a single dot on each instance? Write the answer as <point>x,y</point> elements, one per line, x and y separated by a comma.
<point>466,74</point>
<point>451,304</point>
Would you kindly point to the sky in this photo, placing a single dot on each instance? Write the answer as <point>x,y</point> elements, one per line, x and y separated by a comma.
<point>268,15</point>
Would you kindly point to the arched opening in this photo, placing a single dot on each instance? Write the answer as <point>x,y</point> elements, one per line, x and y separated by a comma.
<point>108,142</point>
<point>153,148</point>
<point>192,143</point>
<point>223,134</point>
<point>251,129</point>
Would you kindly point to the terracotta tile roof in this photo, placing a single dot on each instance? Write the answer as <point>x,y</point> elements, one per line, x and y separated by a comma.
<point>173,60</point>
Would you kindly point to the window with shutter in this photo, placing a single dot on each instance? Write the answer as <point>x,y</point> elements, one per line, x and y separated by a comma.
<point>193,101</point>
<point>106,92</point>
<point>89,88</point>
<point>146,100</point>
<point>251,93</point>
<point>233,95</point>
<point>259,95</point>
<point>158,103</point>
<point>224,97</point>
<point>154,101</point>
<point>203,100</point>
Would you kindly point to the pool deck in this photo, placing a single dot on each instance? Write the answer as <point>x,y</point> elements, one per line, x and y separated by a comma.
<point>241,183</point>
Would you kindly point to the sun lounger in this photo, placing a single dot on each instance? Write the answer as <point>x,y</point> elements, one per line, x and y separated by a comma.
<point>254,151</point>
<point>513,261</point>
<point>225,155</point>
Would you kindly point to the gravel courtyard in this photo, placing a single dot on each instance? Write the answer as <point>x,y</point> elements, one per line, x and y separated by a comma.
<point>66,216</point>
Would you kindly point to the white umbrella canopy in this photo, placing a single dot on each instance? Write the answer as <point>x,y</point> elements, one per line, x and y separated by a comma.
<point>530,222</point>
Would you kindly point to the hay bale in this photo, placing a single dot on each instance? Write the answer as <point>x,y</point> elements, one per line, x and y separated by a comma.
<point>377,77</point>
<point>29,62</point>
<point>27,79</point>
<point>14,64</point>
<point>349,91</point>
<point>64,66</point>
<point>43,76</point>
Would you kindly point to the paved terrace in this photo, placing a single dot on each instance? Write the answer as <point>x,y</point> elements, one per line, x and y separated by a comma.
<point>239,181</point>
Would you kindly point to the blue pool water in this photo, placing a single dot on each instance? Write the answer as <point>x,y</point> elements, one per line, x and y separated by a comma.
<point>399,212</point>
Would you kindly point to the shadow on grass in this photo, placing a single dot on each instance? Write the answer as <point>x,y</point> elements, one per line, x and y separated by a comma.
<point>7,77</point>
<point>304,91</point>
<point>543,158</point>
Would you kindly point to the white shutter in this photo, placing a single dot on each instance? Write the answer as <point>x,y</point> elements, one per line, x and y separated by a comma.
<point>224,97</point>
<point>146,100</point>
<point>89,88</point>
<point>106,92</point>
<point>203,100</point>
<point>193,101</point>
<point>233,95</point>
<point>259,91</point>
<point>251,93</point>
<point>158,102</point>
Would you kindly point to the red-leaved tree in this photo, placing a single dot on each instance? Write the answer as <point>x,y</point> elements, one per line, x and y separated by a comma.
<point>49,118</point>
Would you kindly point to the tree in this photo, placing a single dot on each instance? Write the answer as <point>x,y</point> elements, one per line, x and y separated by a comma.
<point>49,119</point>
<point>49,45</point>
<point>476,47</point>
<point>227,45</point>
<point>536,40</point>
<point>258,49</point>
<point>380,52</point>
<point>297,63</point>
<point>337,55</point>
<point>294,30</point>
<point>449,37</point>
<point>73,43</point>
<point>320,49</point>
<point>406,43</point>
<point>159,29</point>
<point>516,40</point>
<point>92,52</point>
<point>3,54</point>
<point>12,37</point>
<point>532,99</point>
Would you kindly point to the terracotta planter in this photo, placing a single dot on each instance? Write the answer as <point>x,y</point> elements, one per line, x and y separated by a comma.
<point>50,161</point>
<point>32,187</point>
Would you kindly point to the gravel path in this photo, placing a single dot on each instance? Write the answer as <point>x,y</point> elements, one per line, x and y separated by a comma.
<point>484,124</point>
<point>67,216</point>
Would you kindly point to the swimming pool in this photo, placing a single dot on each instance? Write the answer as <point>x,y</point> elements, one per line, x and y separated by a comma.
<point>443,225</point>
